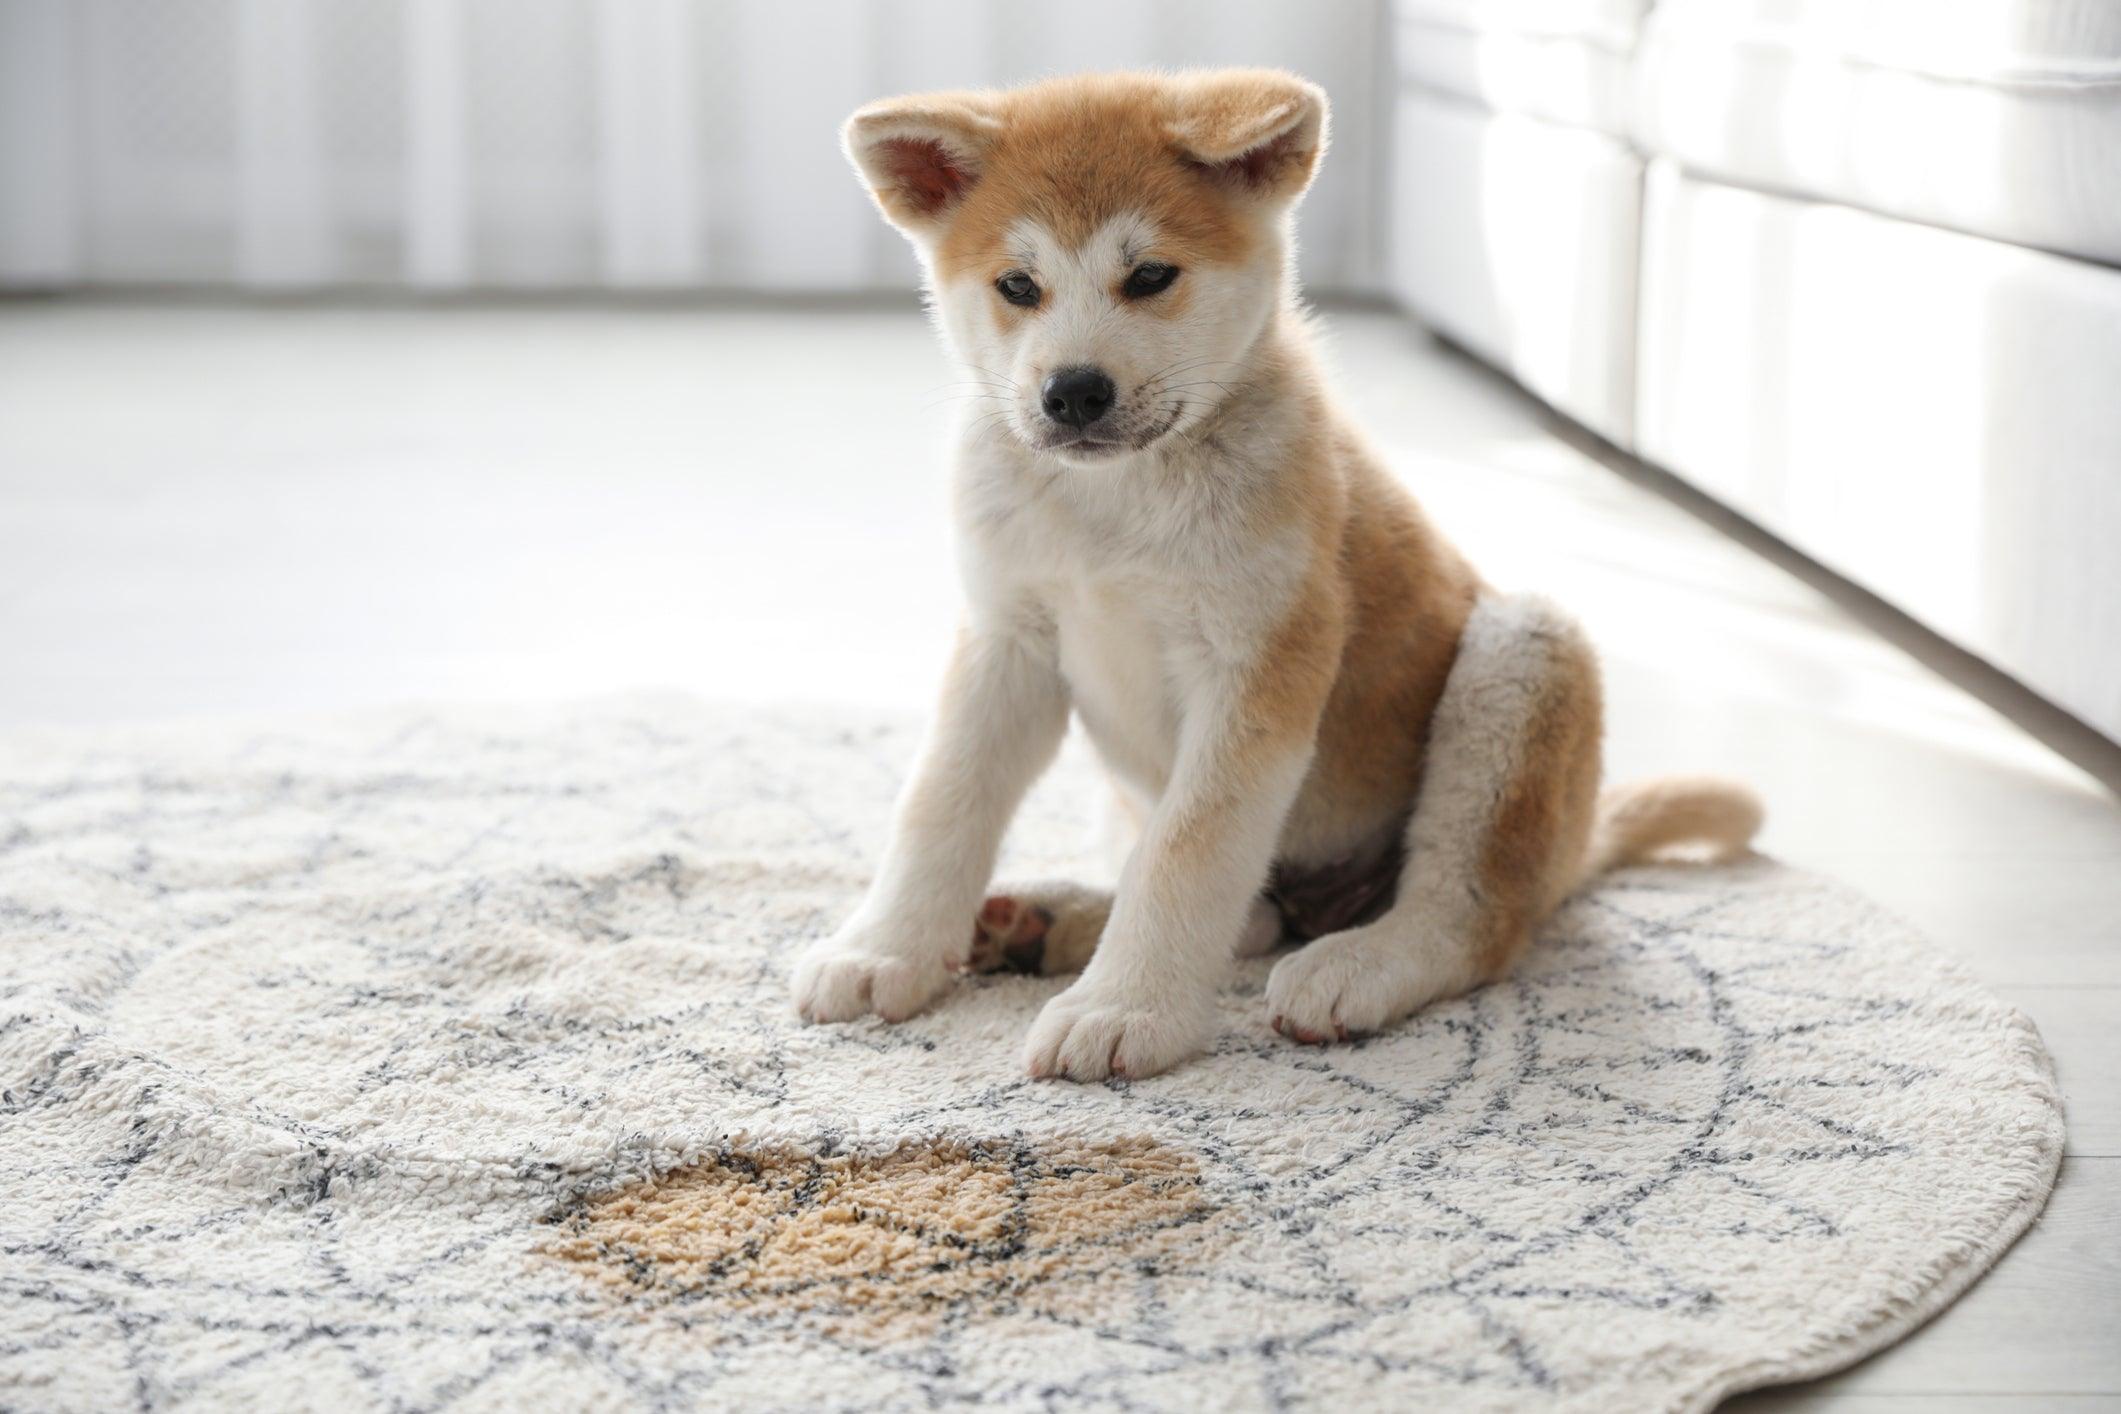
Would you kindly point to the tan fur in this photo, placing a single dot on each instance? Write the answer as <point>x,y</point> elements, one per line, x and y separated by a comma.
<point>1289,672</point>
<point>1072,153</point>
<point>1408,593</point>
<point>1639,820</point>
<point>1534,850</point>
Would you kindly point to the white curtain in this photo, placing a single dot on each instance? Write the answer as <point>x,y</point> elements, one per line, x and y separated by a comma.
<point>454,144</point>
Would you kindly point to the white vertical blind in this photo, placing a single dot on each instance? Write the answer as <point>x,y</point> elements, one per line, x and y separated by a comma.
<point>437,159</point>
<point>40,147</point>
<point>447,144</point>
<point>647,144</point>
<point>283,236</point>
<point>795,216</point>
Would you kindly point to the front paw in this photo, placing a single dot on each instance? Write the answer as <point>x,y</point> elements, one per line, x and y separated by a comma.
<point>853,973</point>
<point>1349,984</point>
<point>1091,1031</point>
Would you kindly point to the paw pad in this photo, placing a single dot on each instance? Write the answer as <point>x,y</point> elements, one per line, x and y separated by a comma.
<point>1009,937</point>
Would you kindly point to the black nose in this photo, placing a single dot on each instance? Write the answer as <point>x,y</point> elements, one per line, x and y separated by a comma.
<point>1077,396</point>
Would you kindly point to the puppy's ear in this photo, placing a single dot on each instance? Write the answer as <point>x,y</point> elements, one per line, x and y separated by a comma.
<point>920,155</point>
<point>1258,131</point>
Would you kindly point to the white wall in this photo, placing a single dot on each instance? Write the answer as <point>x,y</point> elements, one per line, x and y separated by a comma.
<point>444,144</point>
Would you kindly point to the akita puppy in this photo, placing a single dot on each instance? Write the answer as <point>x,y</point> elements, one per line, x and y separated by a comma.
<point>1325,728</point>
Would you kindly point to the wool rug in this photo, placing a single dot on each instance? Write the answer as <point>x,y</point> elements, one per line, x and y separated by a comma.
<point>443,1059</point>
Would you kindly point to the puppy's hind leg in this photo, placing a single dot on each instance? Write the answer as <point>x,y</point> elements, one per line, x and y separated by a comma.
<point>1052,928</point>
<point>1043,928</point>
<point>1497,837</point>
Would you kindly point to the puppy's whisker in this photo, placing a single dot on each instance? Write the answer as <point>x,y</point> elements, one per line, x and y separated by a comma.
<point>993,389</point>
<point>966,397</point>
<point>1189,365</point>
<point>1002,377</point>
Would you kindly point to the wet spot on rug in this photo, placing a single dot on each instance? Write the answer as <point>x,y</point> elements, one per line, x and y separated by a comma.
<point>887,1245</point>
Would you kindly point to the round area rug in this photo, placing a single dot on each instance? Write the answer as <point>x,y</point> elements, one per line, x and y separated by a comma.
<point>445,1060</point>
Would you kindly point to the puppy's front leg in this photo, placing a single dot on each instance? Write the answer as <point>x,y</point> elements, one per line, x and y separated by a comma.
<point>1147,999</point>
<point>1003,711</point>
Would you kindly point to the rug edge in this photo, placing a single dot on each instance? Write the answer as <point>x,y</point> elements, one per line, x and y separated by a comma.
<point>1851,1347</point>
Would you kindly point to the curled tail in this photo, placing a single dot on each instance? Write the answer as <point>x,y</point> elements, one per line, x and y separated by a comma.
<point>1643,817</point>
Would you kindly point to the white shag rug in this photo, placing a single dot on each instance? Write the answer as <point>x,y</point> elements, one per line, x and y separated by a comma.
<point>444,1059</point>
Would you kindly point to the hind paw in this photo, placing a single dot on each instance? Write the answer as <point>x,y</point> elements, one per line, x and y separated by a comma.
<point>1040,929</point>
<point>1009,935</point>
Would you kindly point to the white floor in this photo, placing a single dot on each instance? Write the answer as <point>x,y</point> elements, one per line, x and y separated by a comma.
<point>237,511</point>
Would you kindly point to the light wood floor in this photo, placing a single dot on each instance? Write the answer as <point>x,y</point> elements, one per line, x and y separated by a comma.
<point>289,508</point>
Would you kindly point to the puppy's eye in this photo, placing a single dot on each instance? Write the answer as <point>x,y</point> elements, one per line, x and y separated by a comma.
<point>1149,278</point>
<point>1018,288</point>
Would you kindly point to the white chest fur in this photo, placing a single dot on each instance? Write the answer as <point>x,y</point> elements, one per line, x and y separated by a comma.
<point>1146,573</point>
<point>1116,655</point>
